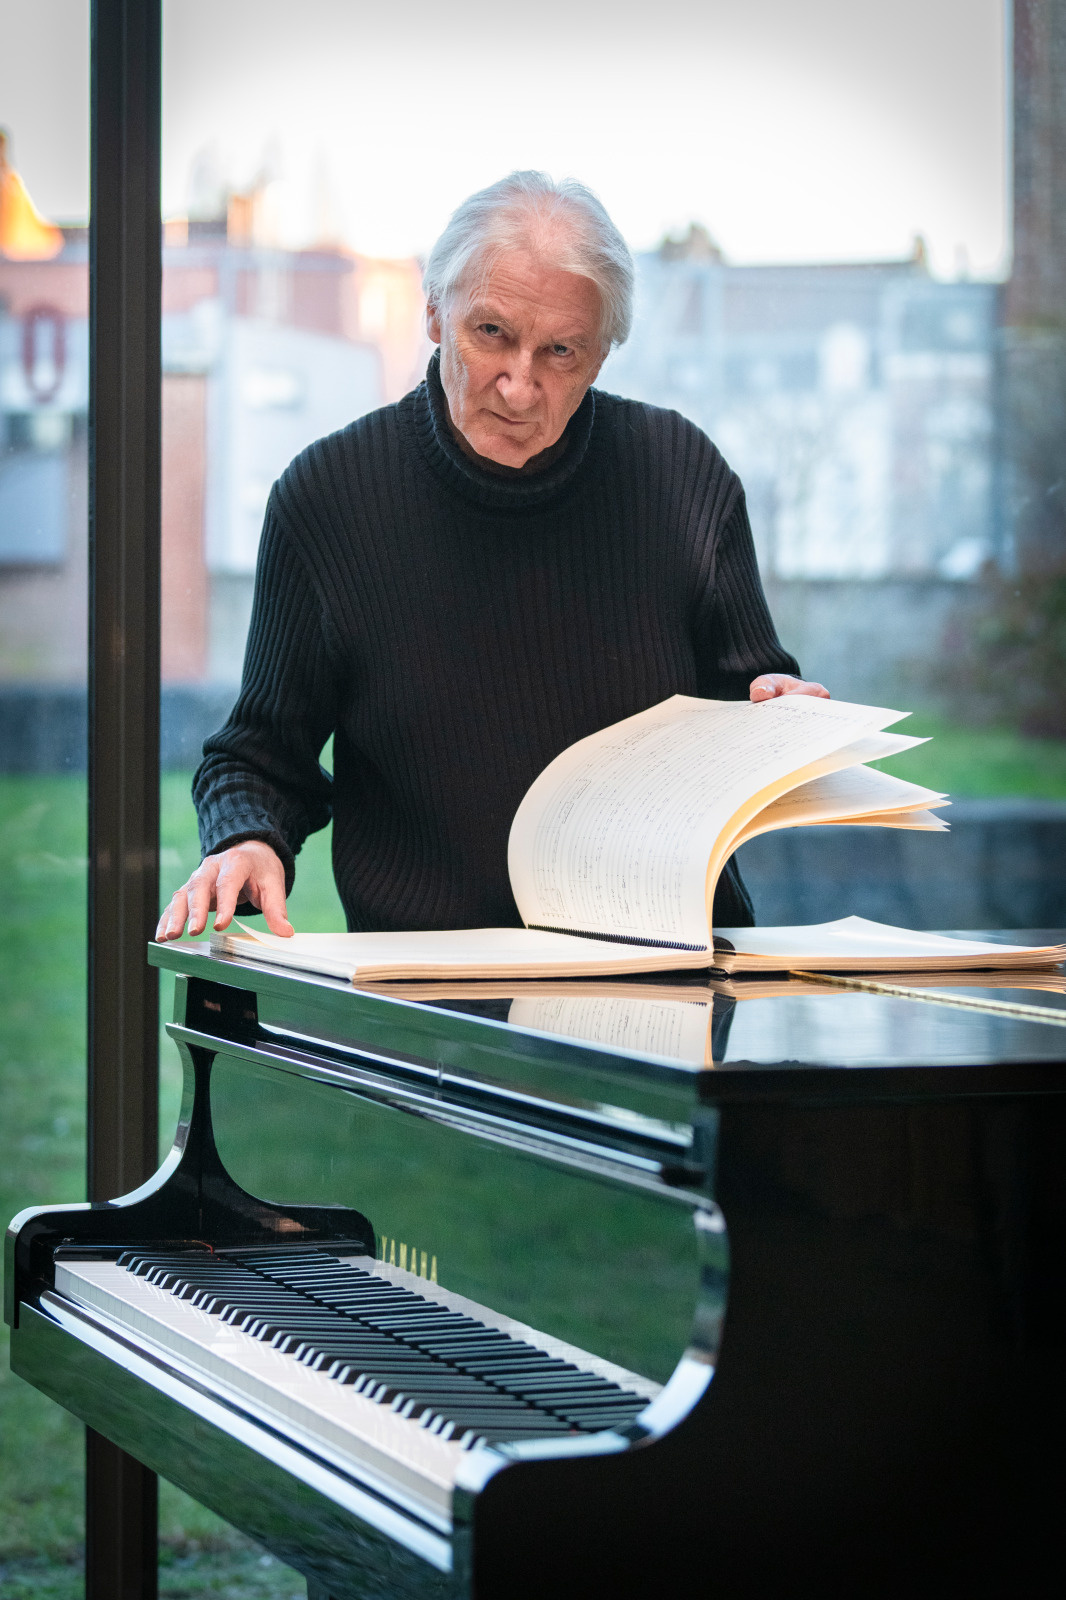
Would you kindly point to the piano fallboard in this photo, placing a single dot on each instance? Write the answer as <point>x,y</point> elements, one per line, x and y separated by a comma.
<point>575,1293</point>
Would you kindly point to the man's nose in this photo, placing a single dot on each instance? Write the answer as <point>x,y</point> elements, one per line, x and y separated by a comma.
<point>516,383</point>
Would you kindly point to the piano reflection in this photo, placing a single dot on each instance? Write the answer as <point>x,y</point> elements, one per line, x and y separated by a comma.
<point>661,1288</point>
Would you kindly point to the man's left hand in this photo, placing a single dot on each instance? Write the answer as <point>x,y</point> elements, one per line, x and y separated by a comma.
<point>773,684</point>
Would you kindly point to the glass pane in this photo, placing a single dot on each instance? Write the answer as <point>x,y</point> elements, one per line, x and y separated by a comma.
<point>44,156</point>
<point>820,220</point>
<point>824,253</point>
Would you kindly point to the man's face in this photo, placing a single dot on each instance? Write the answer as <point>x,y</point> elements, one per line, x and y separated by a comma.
<point>517,355</point>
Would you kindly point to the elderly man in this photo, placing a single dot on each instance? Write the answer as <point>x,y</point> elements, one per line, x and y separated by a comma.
<point>460,585</point>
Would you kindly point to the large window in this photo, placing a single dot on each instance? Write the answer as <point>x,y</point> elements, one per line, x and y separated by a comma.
<point>818,211</point>
<point>44,168</point>
<point>847,224</point>
<point>820,203</point>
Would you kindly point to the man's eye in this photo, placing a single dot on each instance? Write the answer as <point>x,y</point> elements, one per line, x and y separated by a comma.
<point>560,349</point>
<point>491,328</point>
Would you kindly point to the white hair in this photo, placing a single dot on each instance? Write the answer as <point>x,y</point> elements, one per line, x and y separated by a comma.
<point>561,222</point>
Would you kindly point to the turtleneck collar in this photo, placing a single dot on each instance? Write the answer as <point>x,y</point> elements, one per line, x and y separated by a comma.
<point>502,490</point>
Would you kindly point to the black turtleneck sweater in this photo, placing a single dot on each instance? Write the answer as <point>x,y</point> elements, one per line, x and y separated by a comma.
<point>455,629</point>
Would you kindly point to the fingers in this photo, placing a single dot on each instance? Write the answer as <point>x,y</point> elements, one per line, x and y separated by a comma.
<point>818,690</point>
<point>202,889</point>
<point>249,871</point>
<point>172,922</point>
<point>192,902</point>
<point>272,902</point>
<point>774,685</point>
<point>770,685</point>
<point>233,878</point>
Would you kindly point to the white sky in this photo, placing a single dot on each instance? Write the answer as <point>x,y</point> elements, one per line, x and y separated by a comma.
<point>821,130</point>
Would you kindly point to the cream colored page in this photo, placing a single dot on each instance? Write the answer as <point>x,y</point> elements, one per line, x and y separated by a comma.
<point>676,1029</point>
<point>746,823</point>
<point>879,746</point>
<point>917,821</point>
<point>615,834</point>
<point>873,747</point>
<point>855,792</point>
<point>464,949</point>
<point>853,936</point>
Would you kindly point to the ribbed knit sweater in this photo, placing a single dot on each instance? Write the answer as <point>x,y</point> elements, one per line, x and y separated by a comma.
<point>455,628</point>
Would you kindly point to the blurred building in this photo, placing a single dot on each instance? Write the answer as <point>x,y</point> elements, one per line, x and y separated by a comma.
<point>44,393</point>
<point>263,351</point>
<point>856,402</point>
<point>897,436</point>
<point>1034,335</point>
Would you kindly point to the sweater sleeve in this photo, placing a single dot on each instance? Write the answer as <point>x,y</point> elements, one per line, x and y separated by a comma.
<point>260,777</point>
<point>735,636</point>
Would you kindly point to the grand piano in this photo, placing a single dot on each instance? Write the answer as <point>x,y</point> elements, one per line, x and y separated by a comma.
<point>580,1290</point>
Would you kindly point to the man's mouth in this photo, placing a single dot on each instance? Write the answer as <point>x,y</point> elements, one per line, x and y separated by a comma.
<point>514,422</point>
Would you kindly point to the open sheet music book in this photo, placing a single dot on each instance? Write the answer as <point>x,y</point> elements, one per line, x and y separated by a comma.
<point>853,944</point>
<point>700,990</point>
<point>616,848</point>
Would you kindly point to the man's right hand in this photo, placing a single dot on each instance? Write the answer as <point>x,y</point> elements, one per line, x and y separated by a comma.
<point>247,871</point>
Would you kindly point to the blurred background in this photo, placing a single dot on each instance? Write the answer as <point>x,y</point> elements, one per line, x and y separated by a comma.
<point>850,229</point>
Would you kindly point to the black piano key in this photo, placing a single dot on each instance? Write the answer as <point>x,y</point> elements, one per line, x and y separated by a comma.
<point>414,1382</point>
<point>344,1282</point>
<point>492,1361</point>
<point>419,1380</point>
<point>476,1348</point>
<point>500,1429</point>
<point>268,1314</point>
<point>414,1320</point>
<point>352,1284</point>
<point>349,1305</point>
<point>319,1352</point>
<point>486,1341</point>
<point>564,1378</point>
<point>616,1421</point>
<point>588,1402</point>
<point>139,1261</point>
<point>349,1367</point>
<point>419,1312</point>
<point>493,1368</point>
<point>343,1293</point>
<point>291,1340</point>
<point>567,1386</point>
<point>488,1355</point>
<point>346,1367</point>
<point>355,1374</point>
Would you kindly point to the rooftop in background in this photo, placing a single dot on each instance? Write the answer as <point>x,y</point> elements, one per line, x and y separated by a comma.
<point>24,233</point>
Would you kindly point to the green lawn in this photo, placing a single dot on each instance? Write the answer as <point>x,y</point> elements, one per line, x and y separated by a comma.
<point>42,1134</point>
<point>975,763</point>
<point>42,1056</point>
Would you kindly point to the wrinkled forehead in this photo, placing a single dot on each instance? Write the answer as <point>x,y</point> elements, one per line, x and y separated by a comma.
<point>529,287</point>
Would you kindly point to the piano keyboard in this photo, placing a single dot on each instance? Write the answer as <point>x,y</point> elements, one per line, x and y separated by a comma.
<point>377,1372</point>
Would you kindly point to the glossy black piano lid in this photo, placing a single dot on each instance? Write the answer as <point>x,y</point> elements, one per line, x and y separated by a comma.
<point>832,1028</point>
<point>952,1025</point>
<point>835,1028</point>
